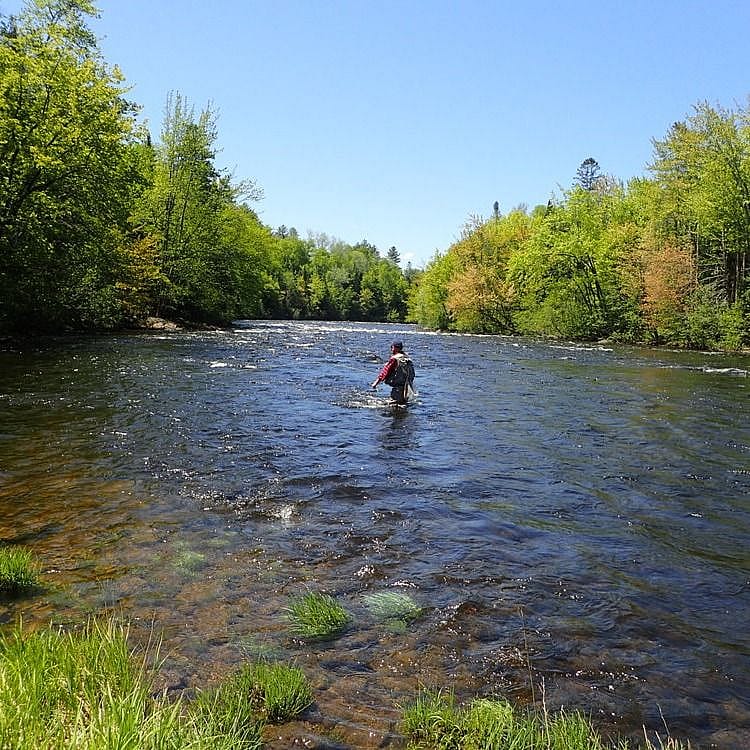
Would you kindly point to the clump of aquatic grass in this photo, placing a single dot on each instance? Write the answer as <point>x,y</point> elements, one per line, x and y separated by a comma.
<point>19,570</point>
<point>188,561</point>
<point>435,722</point>
<point>185,560</point>
<point>316,615</point>
<point>494,723</point>
<point>242,703</point>
<point>392,607</point>
<point>254,649</point>
<point>278,692</point>
<point>227,712</point>
<point>283,691</point>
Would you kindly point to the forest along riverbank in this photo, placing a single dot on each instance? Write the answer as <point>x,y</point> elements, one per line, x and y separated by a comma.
<point>577,515</point>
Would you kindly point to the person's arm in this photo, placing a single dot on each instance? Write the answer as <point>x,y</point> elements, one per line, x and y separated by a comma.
<point>385,372</point>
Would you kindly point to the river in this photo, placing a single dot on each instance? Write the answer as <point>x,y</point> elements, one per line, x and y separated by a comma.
<point>574,521</point>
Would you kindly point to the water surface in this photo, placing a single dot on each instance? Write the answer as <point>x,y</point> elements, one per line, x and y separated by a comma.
<point>573,520</point>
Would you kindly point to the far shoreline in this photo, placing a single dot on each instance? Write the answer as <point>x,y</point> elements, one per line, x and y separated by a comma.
<point>158,324</point>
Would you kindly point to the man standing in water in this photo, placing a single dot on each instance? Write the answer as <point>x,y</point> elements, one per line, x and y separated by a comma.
<point>398,372</point>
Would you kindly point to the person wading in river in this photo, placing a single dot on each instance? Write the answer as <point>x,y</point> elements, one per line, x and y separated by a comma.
<point>398,372</point>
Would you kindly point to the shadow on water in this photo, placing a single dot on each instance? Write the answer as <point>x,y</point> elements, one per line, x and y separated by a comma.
<point>577,515</point>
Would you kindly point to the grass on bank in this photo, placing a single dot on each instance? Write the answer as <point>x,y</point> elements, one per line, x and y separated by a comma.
<point>19,570</point>
<point>87,690</point>
<point>316,615</point>
<point>435,722</point>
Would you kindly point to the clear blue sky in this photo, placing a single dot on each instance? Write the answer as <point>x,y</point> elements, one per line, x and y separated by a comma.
<point>395,121</point>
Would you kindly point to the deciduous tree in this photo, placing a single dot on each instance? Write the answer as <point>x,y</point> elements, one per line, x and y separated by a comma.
<point>67,169</point>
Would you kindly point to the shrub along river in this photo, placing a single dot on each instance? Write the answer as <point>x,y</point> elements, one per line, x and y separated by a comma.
<point>574,521</point>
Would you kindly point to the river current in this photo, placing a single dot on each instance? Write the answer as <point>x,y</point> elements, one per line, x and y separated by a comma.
<point>573,521</point>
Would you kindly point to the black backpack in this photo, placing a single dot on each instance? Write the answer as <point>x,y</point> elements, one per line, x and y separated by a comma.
<point>403,374</point>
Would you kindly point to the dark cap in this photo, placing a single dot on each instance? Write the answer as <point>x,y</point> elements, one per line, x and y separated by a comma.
<point>398,344</point>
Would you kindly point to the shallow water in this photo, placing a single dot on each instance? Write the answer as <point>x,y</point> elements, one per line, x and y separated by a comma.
<point>573,520</point>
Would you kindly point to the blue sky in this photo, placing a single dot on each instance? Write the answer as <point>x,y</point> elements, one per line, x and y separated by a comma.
<point>396,121</point>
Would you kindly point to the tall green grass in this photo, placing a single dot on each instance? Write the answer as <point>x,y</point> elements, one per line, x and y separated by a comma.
<point>86,690</point>
<point>19,570</point>
<point>225,715</point>
<point>435,722</point>
<point>82,690</point>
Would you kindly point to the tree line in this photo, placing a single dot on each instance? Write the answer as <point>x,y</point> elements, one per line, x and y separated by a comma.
<point>102,227</point>
<point>660,260</point>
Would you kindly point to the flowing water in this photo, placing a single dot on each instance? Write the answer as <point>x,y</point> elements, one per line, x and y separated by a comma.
<point>573,521</point>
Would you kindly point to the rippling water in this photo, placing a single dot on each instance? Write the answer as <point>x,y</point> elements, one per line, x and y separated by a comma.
<point>574,521</point>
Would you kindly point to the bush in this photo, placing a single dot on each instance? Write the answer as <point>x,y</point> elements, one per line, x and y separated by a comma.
<point>280,692</point>
<point>733,328</point>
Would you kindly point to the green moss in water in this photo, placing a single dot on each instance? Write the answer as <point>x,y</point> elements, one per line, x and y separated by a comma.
<point>393,608</point>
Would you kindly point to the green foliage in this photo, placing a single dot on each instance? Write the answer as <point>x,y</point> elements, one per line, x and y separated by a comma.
<point>479,297</point>
<point>316,615</point>
<point>227,713</point>
<point>708,323</point>
<point>19,570</point>
<point>100,227</point>
<point>328,279</point>
<point>206,245</point>
<point>493,723</point>
<point>428,298</point>
<point>61,690</point>
<point>663,260</point>
<point>702,169</point>
<point>67,167</point>
<point>433,721</point>
<point>733,327</point>
<point>383,293</point>
<point>569,275</point>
